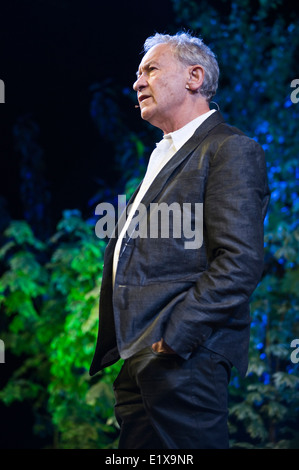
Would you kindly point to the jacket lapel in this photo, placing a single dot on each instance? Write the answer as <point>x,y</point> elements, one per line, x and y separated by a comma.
<point>167,171</point>
<point>120,223</point>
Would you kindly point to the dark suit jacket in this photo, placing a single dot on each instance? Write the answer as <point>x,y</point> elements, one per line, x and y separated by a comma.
<point>192,297</point>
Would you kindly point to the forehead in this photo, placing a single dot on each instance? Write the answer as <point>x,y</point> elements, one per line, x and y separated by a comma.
<point>160,53</point>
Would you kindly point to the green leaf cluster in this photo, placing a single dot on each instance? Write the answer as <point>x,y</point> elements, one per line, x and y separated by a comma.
<point>49,294</point>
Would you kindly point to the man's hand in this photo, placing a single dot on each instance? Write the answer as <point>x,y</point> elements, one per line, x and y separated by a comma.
<point>162,347</point>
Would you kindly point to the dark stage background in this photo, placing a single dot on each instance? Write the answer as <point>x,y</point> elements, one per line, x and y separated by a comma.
<point>51,54</point>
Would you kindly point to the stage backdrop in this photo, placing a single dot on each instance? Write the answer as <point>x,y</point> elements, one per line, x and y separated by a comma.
<point>70,139</point>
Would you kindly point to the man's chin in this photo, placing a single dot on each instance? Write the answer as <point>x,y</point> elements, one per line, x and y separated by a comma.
<point>145,113</point>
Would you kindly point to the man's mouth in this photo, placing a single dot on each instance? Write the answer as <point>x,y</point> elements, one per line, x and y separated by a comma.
<point>143,98</point>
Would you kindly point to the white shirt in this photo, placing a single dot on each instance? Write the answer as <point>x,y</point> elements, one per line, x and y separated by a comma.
<point>163,152</point>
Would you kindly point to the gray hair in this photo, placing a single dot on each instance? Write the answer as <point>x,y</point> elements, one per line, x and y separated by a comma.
<point>191,50</point>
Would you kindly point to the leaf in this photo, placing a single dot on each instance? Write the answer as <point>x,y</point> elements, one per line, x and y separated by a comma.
<point>5,249</point>
<point>283,379</point>
<point>101,394</point>
<point>275,410</point>
<point>22,234</point>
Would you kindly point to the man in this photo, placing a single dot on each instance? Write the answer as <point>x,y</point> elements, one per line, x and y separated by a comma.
<point>179,316</point>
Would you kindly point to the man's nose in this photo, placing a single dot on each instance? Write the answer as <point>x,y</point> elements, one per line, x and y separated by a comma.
<point>140,83</point>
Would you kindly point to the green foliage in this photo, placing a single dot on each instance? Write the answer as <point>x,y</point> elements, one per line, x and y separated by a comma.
<point>256,44</point>
<point>50,291</point>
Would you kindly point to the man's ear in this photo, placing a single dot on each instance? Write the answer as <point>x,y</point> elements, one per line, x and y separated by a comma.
<point>196,77</point>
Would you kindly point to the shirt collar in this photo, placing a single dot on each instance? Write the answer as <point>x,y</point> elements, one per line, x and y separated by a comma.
<point>181,136</point>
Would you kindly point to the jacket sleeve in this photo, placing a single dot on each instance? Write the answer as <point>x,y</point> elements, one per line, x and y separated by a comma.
<point>235,204</point>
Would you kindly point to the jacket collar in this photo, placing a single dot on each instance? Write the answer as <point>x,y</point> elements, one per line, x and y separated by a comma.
<point>199,135</point>
<point>158,184</point>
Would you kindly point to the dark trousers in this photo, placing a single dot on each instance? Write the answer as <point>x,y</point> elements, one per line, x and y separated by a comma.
<point>166,402</point>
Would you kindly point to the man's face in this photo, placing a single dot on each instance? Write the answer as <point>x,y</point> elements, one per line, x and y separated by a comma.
<point>161,87</point>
